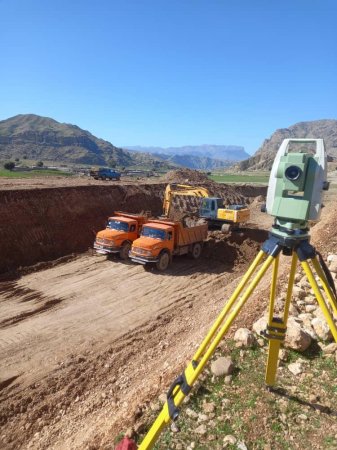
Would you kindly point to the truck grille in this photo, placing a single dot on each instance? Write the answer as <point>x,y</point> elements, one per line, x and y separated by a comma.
<point>139,251</point>
<point>103,241</point>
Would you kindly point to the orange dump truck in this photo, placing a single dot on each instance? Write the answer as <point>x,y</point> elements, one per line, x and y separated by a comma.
<point>161,239</point>
<point>121,230</point>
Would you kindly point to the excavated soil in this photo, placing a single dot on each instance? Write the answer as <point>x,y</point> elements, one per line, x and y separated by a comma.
<point>88,343</point>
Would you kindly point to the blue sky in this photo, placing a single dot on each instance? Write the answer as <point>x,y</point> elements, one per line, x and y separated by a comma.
<point>170,73</point>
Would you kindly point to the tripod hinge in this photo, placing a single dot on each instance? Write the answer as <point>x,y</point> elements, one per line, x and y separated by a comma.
<point>185,389</point>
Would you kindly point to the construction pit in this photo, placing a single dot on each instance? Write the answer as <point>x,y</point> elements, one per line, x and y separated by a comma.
<point>87,340</point>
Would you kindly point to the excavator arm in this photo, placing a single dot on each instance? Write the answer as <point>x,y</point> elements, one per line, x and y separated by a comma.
<point>181,189</point>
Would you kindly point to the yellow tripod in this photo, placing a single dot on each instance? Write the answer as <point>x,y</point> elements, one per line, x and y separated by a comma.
<point>298,248</point>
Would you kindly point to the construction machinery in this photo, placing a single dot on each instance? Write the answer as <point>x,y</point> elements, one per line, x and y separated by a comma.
<point>161,239</point>
<point>210,208</point>
<point>121,230</point>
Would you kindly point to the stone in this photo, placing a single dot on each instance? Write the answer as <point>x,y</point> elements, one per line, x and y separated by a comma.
<point>260,325</point>
<point>202,430</point>
<point>222,366</point>
<point>333,267</point>
<point>174,427</point>
<point>240,445</point>
<point>202,417</point>
<point>228,379</point>
<point>296,337</point>
<point>295,368</point>
<point>310,308</point>
<point>191,413</point>
<point>299,292</point>
<point>208,407</point>
<point>330,348</point>
<point>229,440</point>
<point>244,337</point>
<point>321,328</point>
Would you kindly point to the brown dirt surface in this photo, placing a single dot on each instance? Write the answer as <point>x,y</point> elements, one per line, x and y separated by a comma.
<point>88,342</point>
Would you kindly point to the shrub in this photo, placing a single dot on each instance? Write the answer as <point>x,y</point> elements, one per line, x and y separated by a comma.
<point>9,165</point>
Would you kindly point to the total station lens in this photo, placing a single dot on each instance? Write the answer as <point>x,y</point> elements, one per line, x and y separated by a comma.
<point>293,173</point>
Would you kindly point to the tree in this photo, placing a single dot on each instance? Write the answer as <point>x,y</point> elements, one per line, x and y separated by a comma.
<point>39,164</point>
<point>9,165</point>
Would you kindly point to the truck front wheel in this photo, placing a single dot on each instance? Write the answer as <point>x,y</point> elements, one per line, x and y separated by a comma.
<point>124,251</point>
<point>163,262</point>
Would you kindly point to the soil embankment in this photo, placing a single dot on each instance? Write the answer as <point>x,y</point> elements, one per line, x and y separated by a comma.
<point>45,224</point>
<point>49,223</point>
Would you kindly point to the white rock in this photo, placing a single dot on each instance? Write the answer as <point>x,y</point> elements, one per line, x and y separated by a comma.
<point>191,413</point>
<point>321,329</point>
<point>260,325</point>
<point>222,366</point>
<point>229,440</point>
<point>208,407</point>
<point>299,292</point>
<point>241,445</point>
<point>296,337</point>
<point>245,337</point>
<point>330,348</point>
<point>295,368</point>
<point>202,429</point>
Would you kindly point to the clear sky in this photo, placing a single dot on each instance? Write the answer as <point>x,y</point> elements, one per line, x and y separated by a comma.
<point>170,72</point>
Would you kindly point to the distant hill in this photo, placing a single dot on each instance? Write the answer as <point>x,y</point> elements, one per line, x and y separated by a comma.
<point>42,138</point>
<point>198,156</point>
<point>264,157</point>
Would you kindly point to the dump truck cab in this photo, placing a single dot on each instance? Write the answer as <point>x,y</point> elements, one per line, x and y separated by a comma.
<point>121,230</point>
<point>161,239</point>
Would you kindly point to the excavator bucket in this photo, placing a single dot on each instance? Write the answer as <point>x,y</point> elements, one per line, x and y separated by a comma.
<point>126,444</point>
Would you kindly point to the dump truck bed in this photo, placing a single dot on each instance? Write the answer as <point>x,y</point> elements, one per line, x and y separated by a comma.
<point>185,235</point>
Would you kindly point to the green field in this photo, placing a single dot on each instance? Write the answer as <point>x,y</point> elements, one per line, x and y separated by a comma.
<point>33,174</point>
<point>239,178</point>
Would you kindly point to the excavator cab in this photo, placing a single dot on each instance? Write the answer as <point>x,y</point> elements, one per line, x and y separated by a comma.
<point>209,207</point>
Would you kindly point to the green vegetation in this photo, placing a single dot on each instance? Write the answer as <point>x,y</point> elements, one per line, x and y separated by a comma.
<point>284,419</point>
<point>33,173</point>
<point>239,178</point>
<point>9,165</point>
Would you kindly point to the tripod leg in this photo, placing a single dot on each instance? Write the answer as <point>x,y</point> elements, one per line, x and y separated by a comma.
<point>320,299</point>
<point>325,284</point>
<point>276,326</point>
<point>183,384</point>
<point>229,304</point>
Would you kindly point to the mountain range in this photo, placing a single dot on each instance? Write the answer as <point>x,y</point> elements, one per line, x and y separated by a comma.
<point>33,137</point>
<point>264,157</point>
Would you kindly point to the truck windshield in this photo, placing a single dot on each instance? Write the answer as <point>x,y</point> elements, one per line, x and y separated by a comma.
<point>117,225</point>
<point>154,233</point>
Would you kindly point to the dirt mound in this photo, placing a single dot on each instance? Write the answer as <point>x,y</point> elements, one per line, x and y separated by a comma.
<point>185,176</point>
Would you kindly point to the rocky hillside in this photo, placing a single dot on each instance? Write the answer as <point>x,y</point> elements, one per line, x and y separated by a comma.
<point>35,137</point>
<point>264,157</point>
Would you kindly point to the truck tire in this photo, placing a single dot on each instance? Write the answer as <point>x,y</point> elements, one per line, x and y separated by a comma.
<point>196,250</point>
<point>163,262</point>
<point>124,251</point>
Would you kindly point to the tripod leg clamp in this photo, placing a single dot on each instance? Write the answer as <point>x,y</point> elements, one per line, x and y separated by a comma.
<point>275,330</point>
<point>184,387</point>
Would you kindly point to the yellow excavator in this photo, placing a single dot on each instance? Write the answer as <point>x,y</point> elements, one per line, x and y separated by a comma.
<point>211,208</point>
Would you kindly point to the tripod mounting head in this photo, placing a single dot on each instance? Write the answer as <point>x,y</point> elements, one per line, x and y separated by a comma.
<point>297,179</point>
